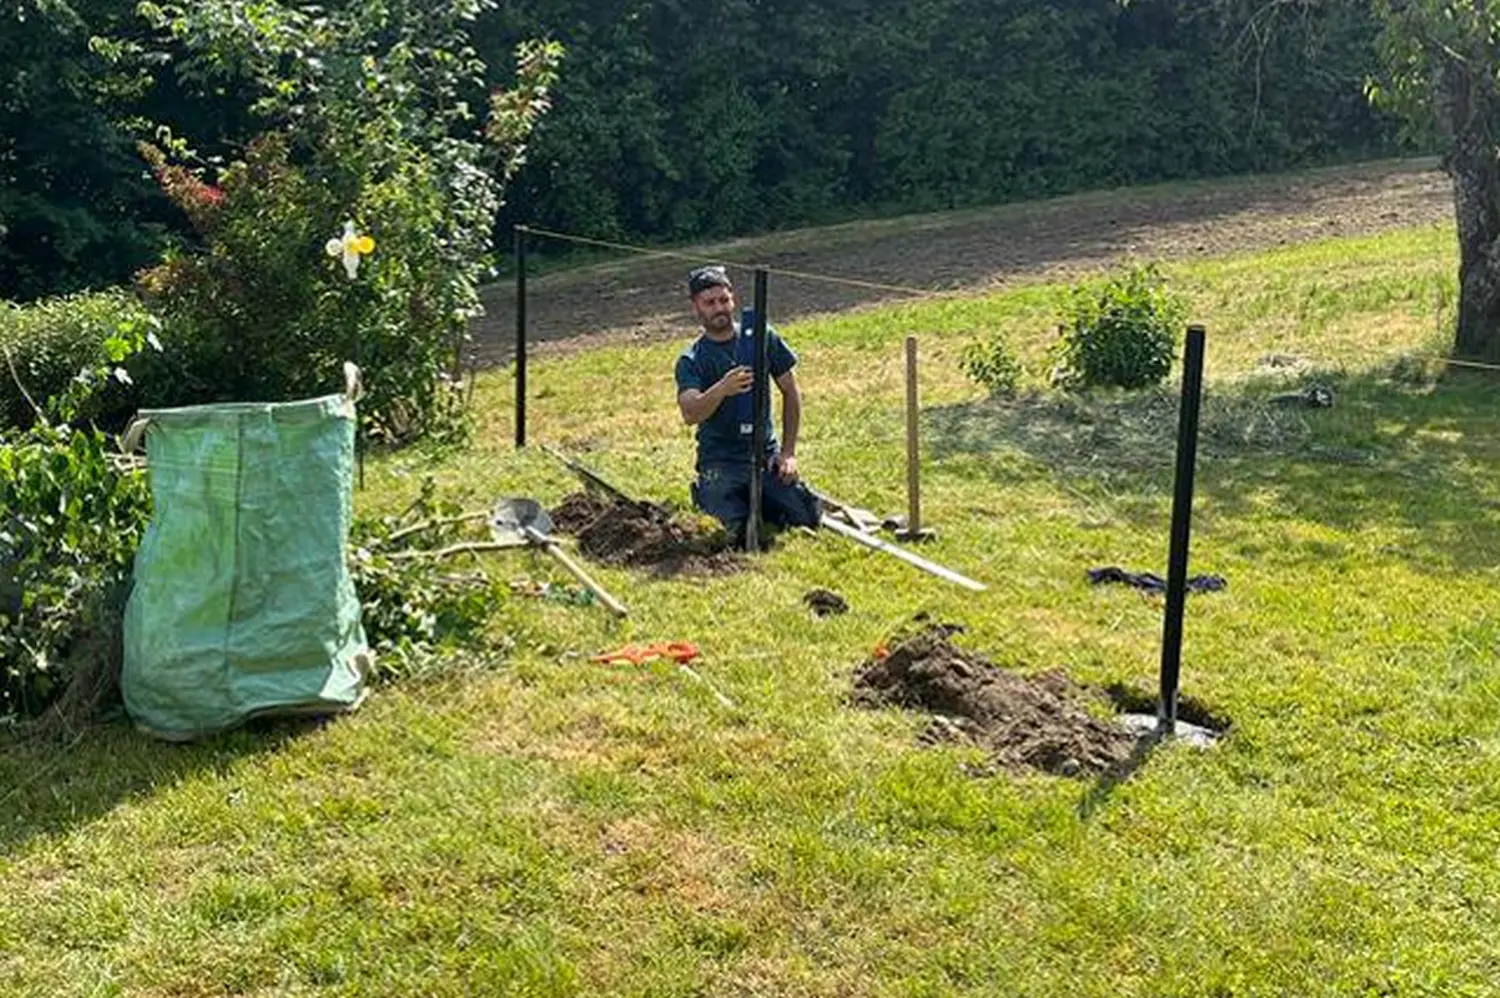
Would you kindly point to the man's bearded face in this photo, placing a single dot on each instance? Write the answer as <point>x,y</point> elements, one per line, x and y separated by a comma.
<point>715,309</point>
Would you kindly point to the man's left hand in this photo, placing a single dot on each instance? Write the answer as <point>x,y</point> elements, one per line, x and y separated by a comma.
<point>785,466</point>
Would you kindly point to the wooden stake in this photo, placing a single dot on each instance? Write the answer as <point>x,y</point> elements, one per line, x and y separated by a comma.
<point>913,530</point>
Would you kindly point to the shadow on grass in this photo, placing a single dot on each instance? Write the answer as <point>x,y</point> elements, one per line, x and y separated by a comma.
<point>49,786</point>
<point>1397,451</point>
<point>1102,789</point>
<point>1133,700</point>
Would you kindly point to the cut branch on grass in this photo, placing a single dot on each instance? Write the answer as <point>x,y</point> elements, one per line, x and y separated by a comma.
<point>464,579</point>
<point>422,614</point>
<point>471,547</point>
<point>436,522</point>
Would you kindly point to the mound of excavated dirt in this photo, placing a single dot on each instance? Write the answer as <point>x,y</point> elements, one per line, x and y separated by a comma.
<point>1037,722</point>
<point>644,535</point>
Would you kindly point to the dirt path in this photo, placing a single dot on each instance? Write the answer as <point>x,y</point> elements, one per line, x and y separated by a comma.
<point>641,297</point>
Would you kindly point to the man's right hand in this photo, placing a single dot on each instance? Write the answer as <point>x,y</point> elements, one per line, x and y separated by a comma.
<point>736,382</point>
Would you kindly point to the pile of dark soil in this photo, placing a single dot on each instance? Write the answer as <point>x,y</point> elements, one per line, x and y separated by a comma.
<point>645,535</point>
<point>1026,722</point>
<point>825,602</point>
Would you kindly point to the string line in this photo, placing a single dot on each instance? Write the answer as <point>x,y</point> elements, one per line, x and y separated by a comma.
<point>853,282</point>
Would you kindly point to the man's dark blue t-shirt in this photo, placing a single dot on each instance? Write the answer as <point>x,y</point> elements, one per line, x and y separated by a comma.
<point>722,439</point>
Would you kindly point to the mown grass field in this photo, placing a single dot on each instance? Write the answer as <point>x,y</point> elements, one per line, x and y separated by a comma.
<point>553,827</point>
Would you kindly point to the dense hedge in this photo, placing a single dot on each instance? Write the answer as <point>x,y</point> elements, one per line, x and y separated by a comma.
<point>679,119</point>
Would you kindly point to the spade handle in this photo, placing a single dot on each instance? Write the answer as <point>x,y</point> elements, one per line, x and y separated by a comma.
<point>556,551</point>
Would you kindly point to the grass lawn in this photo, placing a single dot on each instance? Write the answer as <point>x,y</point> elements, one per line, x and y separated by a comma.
<point>552,827</point>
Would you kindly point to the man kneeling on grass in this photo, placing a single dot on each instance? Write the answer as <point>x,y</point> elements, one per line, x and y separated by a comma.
<point>713,392</point>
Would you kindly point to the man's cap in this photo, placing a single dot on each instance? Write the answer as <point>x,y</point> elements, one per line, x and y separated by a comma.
<point>703,278</point>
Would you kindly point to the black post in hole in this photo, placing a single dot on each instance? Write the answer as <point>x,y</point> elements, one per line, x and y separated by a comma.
<point>520,244</point>
<point>1182,523</point>
<point>359,433</point>
<point>759,411</point>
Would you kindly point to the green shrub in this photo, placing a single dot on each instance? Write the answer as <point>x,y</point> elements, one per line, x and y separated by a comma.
<point>990,362</point>
<point>262,314</point>
<point>49,342</point>
<point>70,519</point>
<point>391,127</point>
<point>1121,333</point>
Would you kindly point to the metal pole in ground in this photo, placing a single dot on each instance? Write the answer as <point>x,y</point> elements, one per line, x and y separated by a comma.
<point>520,246</point>
<point>359,434</point>
<point>913,530</point>
<point>1182,522</point>
<point>759,411</point>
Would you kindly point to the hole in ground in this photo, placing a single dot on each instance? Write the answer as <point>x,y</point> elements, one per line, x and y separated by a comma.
<point>1041,722</point>
<point>1134,700</point>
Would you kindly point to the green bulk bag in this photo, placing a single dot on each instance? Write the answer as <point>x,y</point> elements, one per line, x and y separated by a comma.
<point>242,603</point>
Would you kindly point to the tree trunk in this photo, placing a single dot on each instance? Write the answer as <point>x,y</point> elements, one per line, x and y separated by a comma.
<point>1467,105</point>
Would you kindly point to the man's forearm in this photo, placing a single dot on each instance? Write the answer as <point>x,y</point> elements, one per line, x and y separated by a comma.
<point>698,406</point>
<point>791,421</point>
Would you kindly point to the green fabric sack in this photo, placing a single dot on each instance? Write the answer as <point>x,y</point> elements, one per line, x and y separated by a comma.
<point>242,603</point>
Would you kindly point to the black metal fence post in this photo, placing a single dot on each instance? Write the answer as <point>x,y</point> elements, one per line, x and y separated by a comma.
<point>520,247</point>
<point>365,295</point>
<point>759,410</point>
<point>1182,522</point>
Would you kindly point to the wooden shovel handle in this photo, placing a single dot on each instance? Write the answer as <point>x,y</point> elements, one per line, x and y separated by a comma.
<point>552,547</point>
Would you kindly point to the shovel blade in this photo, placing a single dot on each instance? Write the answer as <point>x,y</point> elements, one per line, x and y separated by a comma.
<point>514,517</point>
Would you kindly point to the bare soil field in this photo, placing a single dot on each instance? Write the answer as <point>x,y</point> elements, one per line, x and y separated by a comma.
<point>642,296</point>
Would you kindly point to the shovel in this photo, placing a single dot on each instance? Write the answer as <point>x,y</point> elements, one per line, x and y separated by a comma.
<point>524,520</point>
